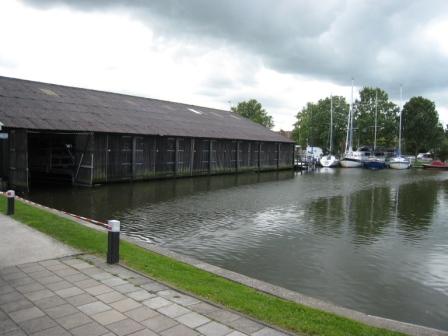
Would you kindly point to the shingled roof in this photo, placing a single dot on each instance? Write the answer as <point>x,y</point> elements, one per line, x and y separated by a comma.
<point>42,106</point>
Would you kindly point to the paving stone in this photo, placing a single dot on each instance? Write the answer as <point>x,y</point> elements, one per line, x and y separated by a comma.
<point>154,287</point>
<point>139,280</point>
<point>90,329</point>
<point>173,310</point>
<point>144,332</point>
<point>141,295</point>
<point>203,308</point>
<point>37,324</point>
<point>5,289</point>
<point>192,320</point>
<point>81,265</point>
<point>125,327</point>
<point>30,288</point>
<point>111,297</point>
<point>55,331</point>
<point>91,271</point>
<point>41,274</point>
<point>76,277</point>
<point>54,286</point>
<point>114,281</point>
<point>245,325</point>
<point>10,297</point>
<point>71,261</point>
<point>41,294</point>
<point>80,300</point>
<point>109,316</point>
<point>156,303</point>
<point>101,276</point>
<point>48,302</point>
<point>179,330</point>
<point>7,326</point>
<point>141,313</point>
<point>126,288</point>
<point>223,316</point>
<point>236,333</point>
<point>57,267</point>
<point>50,279</point>
<point>94,308</point>
<point>268,332</point>
<point>159,323</point>
<point>32,268</point>
<point>88,283</point>
<point>177,297</point>
<point>49,262</point>
<point>60,311</point>
<point>16,332</point>
<point>125,305</point>
<point>65,272</point>
<point>26,314</point>
<point>21,281</point>
<point>67,292</point>
<point>74,320</point>
<point>15,275</point>
<point>98,290</point>
<point>16,305</point>
<point>214,329</point>
<point>9,269</point>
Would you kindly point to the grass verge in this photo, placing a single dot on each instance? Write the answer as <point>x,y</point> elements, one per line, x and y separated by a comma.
<point>273,310</point>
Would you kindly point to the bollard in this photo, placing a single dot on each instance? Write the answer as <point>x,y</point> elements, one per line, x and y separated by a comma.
<point>113,242</point>
<point>11,195</point>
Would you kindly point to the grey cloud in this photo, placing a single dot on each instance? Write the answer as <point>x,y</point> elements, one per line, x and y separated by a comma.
<point>376,42</point>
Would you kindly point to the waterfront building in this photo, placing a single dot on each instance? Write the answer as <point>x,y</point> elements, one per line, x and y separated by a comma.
<point>85,137</point>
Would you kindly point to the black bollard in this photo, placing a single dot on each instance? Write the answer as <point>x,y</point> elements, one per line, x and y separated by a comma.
<point>113,242</point>
<point>11,195</point>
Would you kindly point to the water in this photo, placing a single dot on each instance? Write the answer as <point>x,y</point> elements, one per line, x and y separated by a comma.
<point>376,242</point>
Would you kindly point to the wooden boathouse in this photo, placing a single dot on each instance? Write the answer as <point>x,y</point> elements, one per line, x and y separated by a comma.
<point>85,137</point>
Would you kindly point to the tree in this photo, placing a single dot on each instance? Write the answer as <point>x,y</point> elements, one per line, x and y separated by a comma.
<point>253,110</point>
<point>313,123</point>
<point>372,99</point>
<point>421,127</point>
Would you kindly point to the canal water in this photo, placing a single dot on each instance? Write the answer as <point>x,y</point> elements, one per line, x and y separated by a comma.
<point>374,241</point>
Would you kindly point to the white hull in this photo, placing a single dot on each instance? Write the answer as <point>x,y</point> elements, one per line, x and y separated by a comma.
<point>350,163</point>
<point>329,161</point>
<point>399,163</point>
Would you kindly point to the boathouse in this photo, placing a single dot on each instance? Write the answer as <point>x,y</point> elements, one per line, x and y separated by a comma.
<point>85,137</point>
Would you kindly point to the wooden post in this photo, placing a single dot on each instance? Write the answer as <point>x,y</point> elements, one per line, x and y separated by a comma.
<point>237,156</point>
<point>278,155</point>
<point>176,157</point>
<point>191,156</point>
<point>210,148</point>
<point>134,155</point>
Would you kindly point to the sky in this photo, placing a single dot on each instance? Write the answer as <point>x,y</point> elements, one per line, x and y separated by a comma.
<point>284,53</point>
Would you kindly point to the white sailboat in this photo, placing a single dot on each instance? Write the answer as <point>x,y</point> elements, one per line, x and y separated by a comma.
<point>330,160</point>
<point>351,159</point>
<point>400,162</point>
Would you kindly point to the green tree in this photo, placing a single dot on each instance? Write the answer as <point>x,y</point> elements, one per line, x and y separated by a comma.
<point>253,110</point>
<point>421,127</point>
<point>372,99</point>
<point>313,124</point>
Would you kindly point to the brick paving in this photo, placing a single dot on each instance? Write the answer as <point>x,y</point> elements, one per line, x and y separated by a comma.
<point>84,296</point>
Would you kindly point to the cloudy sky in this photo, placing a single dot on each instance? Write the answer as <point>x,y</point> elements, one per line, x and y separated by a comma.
<point>283,53</point>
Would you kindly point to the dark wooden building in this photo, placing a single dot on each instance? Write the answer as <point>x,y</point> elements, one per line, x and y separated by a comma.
<point>59,133</point>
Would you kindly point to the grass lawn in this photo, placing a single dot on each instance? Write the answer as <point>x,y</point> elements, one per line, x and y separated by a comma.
<point>285,314</point>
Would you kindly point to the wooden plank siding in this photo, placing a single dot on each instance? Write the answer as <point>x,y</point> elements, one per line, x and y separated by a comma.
<point>137,157</point>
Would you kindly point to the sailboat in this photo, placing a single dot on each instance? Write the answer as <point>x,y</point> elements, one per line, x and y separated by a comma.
<point>330,160</point>
<point>399,162</point>
<point>373,161</point>
<point>351,159</point>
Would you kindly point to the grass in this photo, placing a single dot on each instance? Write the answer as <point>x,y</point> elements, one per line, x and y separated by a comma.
<point>273,310</point>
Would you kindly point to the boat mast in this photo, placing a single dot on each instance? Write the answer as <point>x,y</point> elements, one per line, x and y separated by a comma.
<point>350,148</point>
<point>376,113</point>
<point>331,123</point>
<point>401,110</point>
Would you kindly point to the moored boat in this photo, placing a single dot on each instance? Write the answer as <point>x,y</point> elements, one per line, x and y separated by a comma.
<point>350,159</point>
<point>399,161</point>
<point>437,164</point>
<point>374,163</point>
<point>329,160</point>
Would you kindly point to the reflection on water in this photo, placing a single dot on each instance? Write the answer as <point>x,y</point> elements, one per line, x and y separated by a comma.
<point>371,241</point>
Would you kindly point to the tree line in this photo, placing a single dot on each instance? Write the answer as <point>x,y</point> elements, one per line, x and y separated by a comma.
<point>421,128</point>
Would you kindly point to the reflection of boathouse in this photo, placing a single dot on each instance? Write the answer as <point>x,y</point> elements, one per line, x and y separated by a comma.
<point>52,132</point>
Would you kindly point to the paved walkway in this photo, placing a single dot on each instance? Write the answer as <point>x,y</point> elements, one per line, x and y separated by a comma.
<point>82,295</point>
<point>20,244</point>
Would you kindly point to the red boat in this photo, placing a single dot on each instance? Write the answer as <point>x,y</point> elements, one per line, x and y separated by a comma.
<point>436,165</point>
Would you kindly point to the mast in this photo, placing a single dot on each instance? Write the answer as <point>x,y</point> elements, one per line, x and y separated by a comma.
<point>350,148</point>
<point>331,123</point>
<point>401,110</point>
<point>376,113</point>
